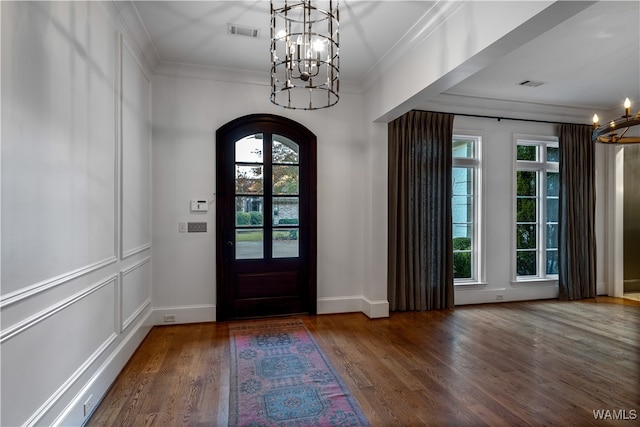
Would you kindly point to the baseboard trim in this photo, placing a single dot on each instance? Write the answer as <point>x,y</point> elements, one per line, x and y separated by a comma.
<point>375,309</point>
<point>185,314</point>
<point>207,312</point>
<point>351,304</point>
<point>469,296</point>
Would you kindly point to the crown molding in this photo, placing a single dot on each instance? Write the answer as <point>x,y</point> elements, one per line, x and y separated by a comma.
<point>418,33</point>
<point>136,32</point>
<point>203,72</point>
<point>231,75</point>
<point>464,104</point>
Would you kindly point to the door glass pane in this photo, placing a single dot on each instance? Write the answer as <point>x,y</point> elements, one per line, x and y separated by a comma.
<point>249,149</point>
<point>249,211</point>
<point>249,179</point>
<point>284,150</point>
<point>285,210</point>
<point>285,179</point>
<point>251,165</point>
<point>285,243</point>
<point>249,244</point>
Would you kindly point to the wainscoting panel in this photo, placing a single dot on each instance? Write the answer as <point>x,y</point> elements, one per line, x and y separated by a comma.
<point>58,109</point>
<point>136,154</point>
<point>37,288</point>
<point>43,355</point>
<point>135,292</point>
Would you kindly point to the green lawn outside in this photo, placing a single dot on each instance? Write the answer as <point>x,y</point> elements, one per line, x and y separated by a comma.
<point>256,236</point>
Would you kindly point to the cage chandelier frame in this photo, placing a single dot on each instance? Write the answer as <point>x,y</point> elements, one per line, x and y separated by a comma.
<point>305,54</point>
<point>607,133</point>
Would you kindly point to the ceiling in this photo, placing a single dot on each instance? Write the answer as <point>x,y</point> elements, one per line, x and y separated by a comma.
<point>592,60</point>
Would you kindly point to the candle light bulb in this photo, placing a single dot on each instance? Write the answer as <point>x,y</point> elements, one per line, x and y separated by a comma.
<point>627,107</point>
<point>596,119</point>
<point>318,46</point>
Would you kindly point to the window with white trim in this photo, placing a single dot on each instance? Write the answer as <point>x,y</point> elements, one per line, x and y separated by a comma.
<point>536,208</point>
<point>465,204</point>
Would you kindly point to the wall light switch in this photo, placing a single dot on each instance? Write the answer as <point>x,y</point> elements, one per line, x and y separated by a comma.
<point>182,227</point>
<point>197,227</point>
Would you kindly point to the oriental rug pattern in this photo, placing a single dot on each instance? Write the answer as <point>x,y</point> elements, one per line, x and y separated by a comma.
<point>280,377</point>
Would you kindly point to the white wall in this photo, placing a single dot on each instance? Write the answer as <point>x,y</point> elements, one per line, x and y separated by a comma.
<point>186,114</point>
<point>376,234</point>
<point>76,260</point>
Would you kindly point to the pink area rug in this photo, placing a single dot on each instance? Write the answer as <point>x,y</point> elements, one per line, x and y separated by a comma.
<point>280,377</point>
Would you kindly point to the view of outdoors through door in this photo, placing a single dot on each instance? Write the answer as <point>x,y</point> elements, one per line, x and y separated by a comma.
<point>279,202</point>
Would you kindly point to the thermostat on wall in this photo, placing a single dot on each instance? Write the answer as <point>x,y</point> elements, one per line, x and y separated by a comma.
<point>199,206</point>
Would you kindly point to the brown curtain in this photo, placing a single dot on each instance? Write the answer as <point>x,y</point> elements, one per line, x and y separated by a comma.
<point>420,256</point>
<point>576,225</point>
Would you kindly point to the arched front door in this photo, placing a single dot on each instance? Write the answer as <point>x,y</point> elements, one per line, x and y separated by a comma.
<point>266,218</point>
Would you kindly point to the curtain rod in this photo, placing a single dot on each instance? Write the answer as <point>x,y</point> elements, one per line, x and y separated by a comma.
<point>498,118</point>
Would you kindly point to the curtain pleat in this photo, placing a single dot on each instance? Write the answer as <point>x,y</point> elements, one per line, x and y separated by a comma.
<point>420,252</point>
<point>576,225</point>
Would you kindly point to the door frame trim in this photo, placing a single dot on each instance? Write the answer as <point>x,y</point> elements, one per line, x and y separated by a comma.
<point>236,129</point>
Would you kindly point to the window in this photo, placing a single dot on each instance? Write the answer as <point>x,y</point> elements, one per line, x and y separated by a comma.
<point>536,208</point>
<point>251,196</point>
<point>465,208</point>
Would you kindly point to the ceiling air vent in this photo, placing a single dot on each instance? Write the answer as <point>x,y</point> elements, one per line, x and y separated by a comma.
<point>239,30</point>
<point>530,83</point>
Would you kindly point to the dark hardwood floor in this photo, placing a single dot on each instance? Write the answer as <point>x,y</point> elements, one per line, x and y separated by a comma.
<point>511,364</point>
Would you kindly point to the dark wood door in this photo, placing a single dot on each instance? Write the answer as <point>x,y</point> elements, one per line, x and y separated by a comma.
<point>266,218</point>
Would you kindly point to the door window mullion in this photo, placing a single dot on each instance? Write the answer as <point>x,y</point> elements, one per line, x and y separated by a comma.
<point>268,196</point>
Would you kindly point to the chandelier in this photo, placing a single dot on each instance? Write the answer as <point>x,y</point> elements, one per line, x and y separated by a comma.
<point>608,133</point>
<point>305,57</point>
